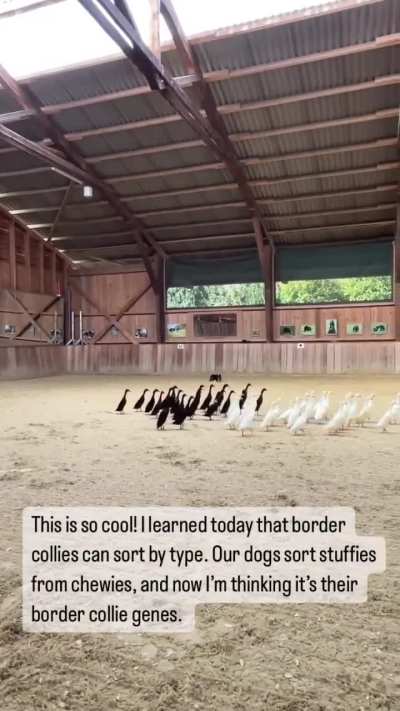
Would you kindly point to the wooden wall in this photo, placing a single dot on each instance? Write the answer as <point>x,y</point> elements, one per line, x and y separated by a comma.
<point>365,315</point>
<point>202,358</point>
<point>277,358</point>
<point>32,275</point>
<point>105,296</point>
<point>250,323</point>
<point>32,361</point>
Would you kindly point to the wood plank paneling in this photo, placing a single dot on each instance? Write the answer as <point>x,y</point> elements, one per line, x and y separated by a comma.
<point>366,315</point>
<point>267,358</point>
<point>106,295</point>
<point>250,323</point>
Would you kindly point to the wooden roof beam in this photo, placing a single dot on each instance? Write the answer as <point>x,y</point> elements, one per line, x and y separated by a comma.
<point>211,130</point>
<point>75,165</point>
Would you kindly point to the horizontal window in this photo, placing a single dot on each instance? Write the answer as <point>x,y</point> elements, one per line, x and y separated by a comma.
<point>196,297</point>
<point>334,291</point>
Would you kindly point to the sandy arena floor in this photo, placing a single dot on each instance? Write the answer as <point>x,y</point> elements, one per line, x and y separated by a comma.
<point>61,445</point>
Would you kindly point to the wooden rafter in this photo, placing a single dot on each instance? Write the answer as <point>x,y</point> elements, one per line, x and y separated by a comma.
<point>212,128</point>
<point>74,166</point>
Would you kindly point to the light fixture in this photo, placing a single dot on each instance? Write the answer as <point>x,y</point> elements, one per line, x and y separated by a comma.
<point>87,191</point>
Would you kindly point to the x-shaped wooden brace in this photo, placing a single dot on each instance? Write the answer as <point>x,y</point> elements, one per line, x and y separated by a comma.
<point>31,320</point>
<point>110,320</point>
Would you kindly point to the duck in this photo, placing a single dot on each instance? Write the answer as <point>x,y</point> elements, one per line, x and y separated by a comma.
<point>225,407</point>
<point>180,413</point>
<point>247,417</point>
<point>385,420</point>
<point>212,409</point>
<point>322,407</point>
<point>122,403</point>
<point>233,415</point>
<point>157,407</point>
<point>271,416</point>
<point>243,396</point>
<point>300,422</point>
<point>365,410</point>
<point>162,418</point>
<point>220,396</point>
<point>292,415</point>
<point>195,402</point>
<point>151,402</point>
<point>139,403</point>
<point>336,422</point>
<point>260,399</point>
<point>352,410</point>
<point>170,397</point>
<point>207,400</point>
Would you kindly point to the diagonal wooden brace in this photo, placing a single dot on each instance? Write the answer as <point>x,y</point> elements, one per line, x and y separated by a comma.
<point>32,320</point>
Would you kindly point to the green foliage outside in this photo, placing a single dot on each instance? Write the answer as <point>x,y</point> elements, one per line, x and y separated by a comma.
<point>316,291</point>
<point>219,295</point>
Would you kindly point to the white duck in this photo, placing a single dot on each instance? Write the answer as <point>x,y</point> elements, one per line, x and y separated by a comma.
<point>247,417</point>
<point>233,415</point>
<point>322,407</point>
<point>295,412</point>
<point>365,410</point>
<point>352,410</point>
<point>336,422</point>
<point>396,411</point>
<point>300,422</point>
<point>385,419</point>
<point>271,416</point>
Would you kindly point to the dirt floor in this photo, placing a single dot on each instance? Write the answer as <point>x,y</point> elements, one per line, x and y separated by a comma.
<point>62,445</point>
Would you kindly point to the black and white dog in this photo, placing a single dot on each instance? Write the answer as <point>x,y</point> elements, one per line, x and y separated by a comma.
<point>217,377</point>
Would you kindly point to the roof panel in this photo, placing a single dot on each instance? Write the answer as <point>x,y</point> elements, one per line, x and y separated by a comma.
<point>180,203</point>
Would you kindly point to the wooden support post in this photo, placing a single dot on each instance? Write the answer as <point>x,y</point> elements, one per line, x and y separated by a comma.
<point>40,265</point>
<point>396,276</point>
<point>269,252</point>
<point>155,44</point>
<point>12,256</point>
<point>27,261</point>
<point>266,256</point>
<point>64,277</point>
<point>53,271</point>
<point>161,296</point>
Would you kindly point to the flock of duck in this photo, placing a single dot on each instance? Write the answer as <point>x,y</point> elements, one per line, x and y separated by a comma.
<point>243,412</point>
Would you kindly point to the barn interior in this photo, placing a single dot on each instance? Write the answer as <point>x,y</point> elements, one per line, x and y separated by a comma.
<point>223,203</point>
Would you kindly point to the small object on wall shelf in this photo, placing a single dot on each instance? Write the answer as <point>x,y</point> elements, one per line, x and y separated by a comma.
<point>88,335</point>
<point>287,330</point>
<point>379,328</point>
<point>308,329</point>
<point>331,327</point>
<point>9,329</point>
<point>177,330</point>
<point>141,333</point>
<point>354,329</point>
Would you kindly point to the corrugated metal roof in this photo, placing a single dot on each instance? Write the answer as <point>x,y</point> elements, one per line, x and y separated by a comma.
<point>184,195</point>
